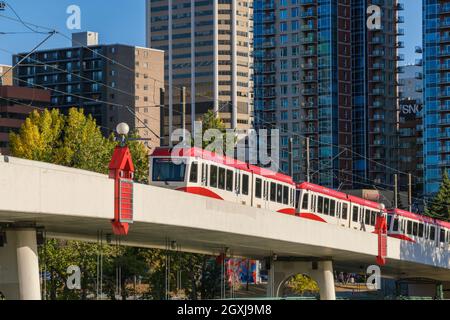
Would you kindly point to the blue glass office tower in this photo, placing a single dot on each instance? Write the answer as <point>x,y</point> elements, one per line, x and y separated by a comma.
<point>436,114</point>
<point>319,73</point>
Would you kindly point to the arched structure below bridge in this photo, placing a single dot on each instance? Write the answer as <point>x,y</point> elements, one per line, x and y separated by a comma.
<point>320,271</point>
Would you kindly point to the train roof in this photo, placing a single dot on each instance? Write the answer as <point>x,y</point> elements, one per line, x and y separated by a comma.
<point>221,159</point>
<point>339,195</point>
<point>418,217</point>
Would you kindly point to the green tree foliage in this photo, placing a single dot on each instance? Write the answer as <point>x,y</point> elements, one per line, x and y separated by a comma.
<point>440,205</point>
<point>301,284</point>
<point>72,140</point>
<point>211,121</point>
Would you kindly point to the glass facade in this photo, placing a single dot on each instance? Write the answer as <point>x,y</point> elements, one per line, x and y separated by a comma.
<point>436,92</point>
<point>320,73</point>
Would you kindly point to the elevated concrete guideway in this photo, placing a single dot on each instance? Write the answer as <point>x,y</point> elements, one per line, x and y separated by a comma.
<point>76,204</point>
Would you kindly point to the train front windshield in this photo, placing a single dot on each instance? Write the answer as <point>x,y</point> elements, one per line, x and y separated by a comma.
<point>168,170</point>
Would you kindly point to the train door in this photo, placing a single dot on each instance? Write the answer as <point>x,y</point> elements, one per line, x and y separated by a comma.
<point>355,216</point>
<point>258,192</point>
<point>344,220</point>
<point>266,194</point>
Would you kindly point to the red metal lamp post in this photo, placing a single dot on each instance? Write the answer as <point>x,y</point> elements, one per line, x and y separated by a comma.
<point>121,169</point>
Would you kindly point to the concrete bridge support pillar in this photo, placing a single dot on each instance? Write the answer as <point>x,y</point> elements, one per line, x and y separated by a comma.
<point>19,266</point>
<point>320,271</point>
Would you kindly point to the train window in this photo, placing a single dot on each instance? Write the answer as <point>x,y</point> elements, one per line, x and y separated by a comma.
<point>213,177</point>
<point>258,186</point>
<point>367,217</point>
<point>279,193</point>
<point>320,205</point>
<point>442,236</point>
<point>432,235</point>
<point>305,201</point>
<point>389,221</point>
<point>409,227</point>
<point>395,226</point>
<point>344,211</point>
<point>326,206</point>
<point>285,195</point>
<point>273,192</point>
<point>245,184</point>
<point>415,228</point>
<point>167,170</point>
<point>355,214</point>
<point>332,208</point>
<point>230,181</point>
<point>420,230</point>
<point>221,178</point>
<point>373,218</point>
<point>193,177</point>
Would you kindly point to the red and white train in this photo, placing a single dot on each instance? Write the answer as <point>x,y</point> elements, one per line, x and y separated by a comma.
<point>205,173</point>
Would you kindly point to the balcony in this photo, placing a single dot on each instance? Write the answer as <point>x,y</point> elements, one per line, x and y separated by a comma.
<point>444,53</point>
<point>309,66</point>
<point>377,65</point>
<point>307,27</point>
<point>378,104</point>
<point>308,52</point>
<point>377,40</point>
<point>379,142</point>
<point>307,2</point>
<point>308,14</point>
<point>444,24</point>
<point>377,53</point>
<point>308,40</point>
<point>444,122</point>
<point>309,92</point>
<point>310,78</point>
<point>400,7</point>
<point>378,117</point>
<point>378,78</point>
<point>400,32</point>
<point>378,91</point>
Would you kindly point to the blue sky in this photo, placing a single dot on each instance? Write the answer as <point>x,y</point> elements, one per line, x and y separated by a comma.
<point>124,22</point>
<point>117,22</point>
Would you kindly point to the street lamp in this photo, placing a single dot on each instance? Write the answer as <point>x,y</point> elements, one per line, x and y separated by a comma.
<point>122,129</point>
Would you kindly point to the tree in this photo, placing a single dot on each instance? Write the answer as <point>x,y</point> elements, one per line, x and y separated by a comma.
<point>74,141</point>
<point>302,284</point>
<point>211,122</point>
<point>440,206</point>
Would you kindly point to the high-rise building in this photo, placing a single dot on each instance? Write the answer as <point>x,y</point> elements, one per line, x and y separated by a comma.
<point>114,83</point>
<point>436,92</point>
<point>411,129</point>
<point>321,73</point>
<point>16,103</point>
<point>5,77</point>
<point>207,48</point>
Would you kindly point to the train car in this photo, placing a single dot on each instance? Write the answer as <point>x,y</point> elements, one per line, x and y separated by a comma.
<point>334,207</point>
<point>417,228</point>
<point>204,173</point>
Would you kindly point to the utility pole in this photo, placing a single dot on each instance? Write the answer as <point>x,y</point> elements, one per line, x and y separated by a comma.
<point>161,115</point>
<point>291,157</point>
<point>183,111</point>
<point>308,167</point>
<point>395,190</point>
<point>410,192</point>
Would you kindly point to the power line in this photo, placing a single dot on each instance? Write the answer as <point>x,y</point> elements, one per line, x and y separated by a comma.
<point>29,54</point>
<point>209,97</point>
